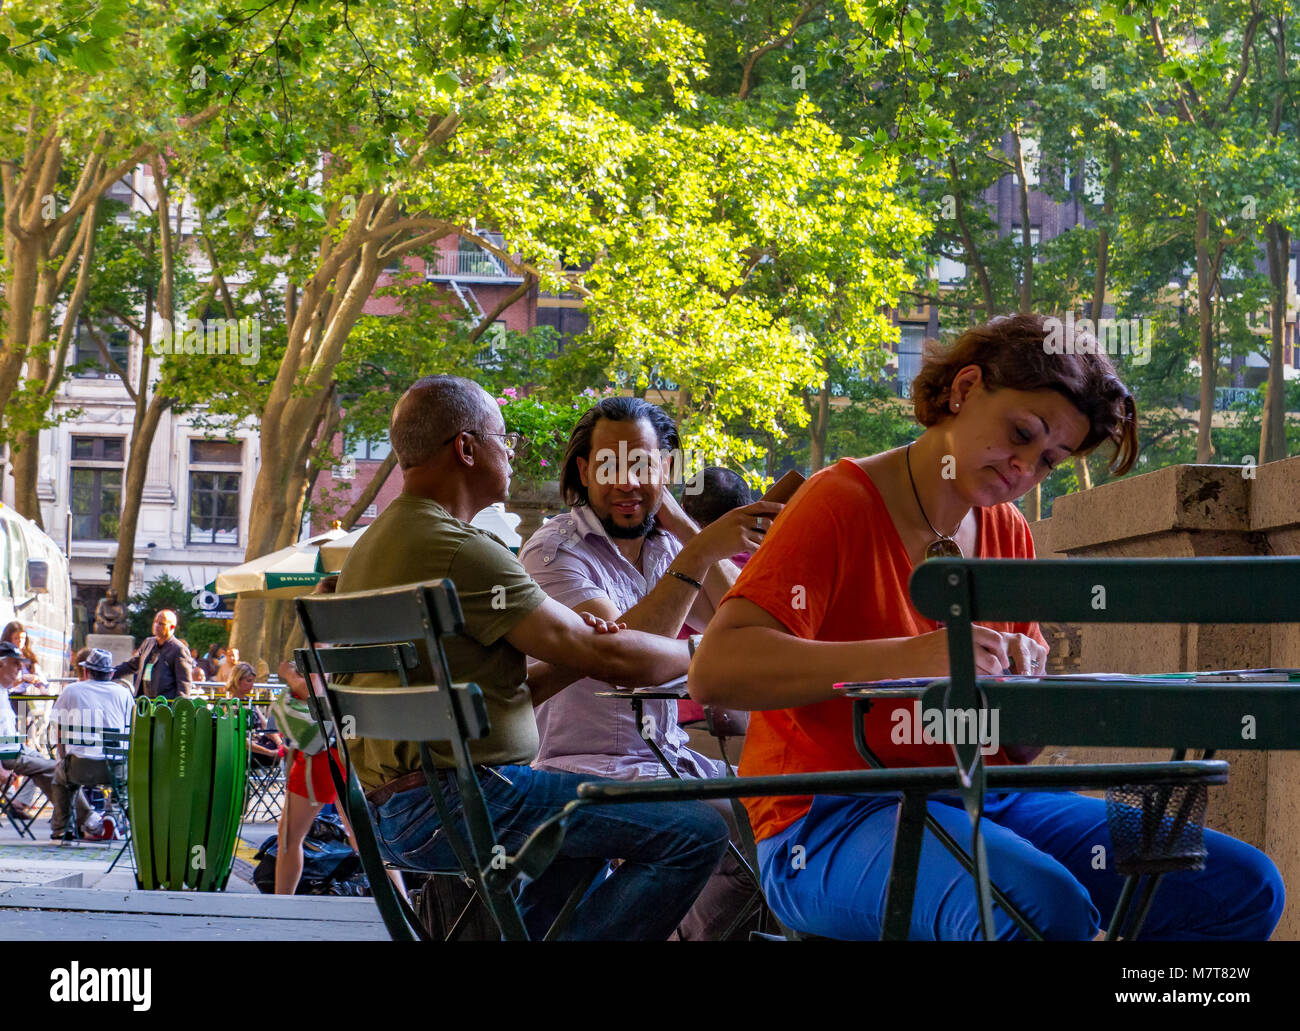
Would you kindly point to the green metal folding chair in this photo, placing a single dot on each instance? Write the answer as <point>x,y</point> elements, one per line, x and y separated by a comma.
<point>117,746</point>
<point>114,745</point>
<point>400,631</point>
<point>266,787</point>
<point>11,747</point>
<point>1155,830</point>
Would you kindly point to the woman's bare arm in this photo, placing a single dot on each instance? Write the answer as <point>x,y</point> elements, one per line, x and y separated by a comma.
<point>748,659</point>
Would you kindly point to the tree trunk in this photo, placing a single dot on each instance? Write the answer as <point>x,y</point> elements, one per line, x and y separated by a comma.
<point>817,427</point>
<point>25,459</point>
<point>370,491</point>
<point>26,251</point>
<point>1034,504</point>
<point>41,373</point>
<point>1098,303</point>
<point>1272,432</point>
<point>137,465</point>
<point>21,290</point>
<point>293,417</point>
<point>1026,243</point>
<point>1082,473</point>
<point>1103,233</point>
<point>972,253</point>
<point>245,628</point>
<point>1277,240</point>
<point>1205,314</point>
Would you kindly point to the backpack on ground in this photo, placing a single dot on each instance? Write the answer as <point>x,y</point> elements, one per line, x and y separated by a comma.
<point>329,866</point>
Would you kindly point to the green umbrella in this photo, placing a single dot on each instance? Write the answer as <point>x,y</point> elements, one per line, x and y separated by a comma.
<point>286,573</point>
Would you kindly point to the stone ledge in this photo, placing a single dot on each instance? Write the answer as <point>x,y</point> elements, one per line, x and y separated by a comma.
<point>1180,497</point>
<point>1275,496</point>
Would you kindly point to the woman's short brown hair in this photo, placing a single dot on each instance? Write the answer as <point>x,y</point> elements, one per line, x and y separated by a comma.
<point>1010,352</point>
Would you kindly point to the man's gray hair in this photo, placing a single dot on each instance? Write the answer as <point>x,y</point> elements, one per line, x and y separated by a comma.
<point>431,410</point>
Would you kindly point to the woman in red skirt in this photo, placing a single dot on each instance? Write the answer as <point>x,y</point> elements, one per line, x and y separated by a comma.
<point>309,787</point>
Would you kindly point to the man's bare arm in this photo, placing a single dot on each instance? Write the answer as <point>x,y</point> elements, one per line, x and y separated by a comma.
<point>662,611</point>
<point>706,553</point>
<point>545,681</point>
<point>560,636</point>
<point>719,581</point>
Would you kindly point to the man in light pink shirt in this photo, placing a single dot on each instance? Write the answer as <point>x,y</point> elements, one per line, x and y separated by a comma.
<point>625,551</point>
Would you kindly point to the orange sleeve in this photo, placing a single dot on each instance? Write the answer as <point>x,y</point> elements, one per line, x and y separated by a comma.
<point>793,575</point>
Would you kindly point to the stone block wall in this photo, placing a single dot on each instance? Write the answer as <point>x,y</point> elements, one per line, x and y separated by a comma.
<point>1190,511</point>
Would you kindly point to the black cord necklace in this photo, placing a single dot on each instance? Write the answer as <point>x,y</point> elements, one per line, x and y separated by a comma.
<point>945,546</point>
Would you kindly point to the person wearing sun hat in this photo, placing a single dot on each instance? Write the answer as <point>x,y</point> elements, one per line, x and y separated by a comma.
<point>95,702</point>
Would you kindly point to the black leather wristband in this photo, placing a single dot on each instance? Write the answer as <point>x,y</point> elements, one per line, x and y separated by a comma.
<point>682,576</point>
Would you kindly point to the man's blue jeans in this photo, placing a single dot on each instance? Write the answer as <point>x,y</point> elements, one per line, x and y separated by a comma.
<point>668,850</point>
<point>1049,851</point>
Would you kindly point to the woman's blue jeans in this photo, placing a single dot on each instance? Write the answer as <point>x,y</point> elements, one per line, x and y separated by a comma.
<point>668,850</point>
<point>1049,851</point>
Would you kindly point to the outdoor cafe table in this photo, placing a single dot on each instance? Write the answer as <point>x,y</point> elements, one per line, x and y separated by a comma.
<point>675,690</point>
<point>1177,710</point>
<point>1252,709</point>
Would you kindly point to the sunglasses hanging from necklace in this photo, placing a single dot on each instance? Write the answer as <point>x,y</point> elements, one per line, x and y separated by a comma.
<point>945,546</point>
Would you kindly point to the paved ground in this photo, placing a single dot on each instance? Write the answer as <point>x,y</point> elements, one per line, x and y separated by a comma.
<point>63,891</point>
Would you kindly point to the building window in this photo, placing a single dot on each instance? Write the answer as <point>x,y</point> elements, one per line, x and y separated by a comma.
<point>495,339</point>
<point>1094,188</point>
<point>911,338</point>
<point>1035,235</point>
<point>215,474</point>
<point>950,270</point>
<point>473,260</point>
<point>369,450</point>
<point>96,487</point>
<point>91,362</point>
<point>371,512</point>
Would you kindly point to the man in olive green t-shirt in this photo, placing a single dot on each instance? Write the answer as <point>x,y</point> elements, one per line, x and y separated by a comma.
<point>495,594</point>
<point>454,453</point>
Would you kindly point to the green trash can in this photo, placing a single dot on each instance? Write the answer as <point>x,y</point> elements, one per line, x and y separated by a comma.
<point>187,776</point>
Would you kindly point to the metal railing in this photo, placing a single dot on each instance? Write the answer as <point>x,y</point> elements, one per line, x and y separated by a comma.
<point>466,264</point>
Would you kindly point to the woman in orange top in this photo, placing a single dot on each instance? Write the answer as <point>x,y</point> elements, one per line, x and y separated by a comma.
<point>825,600</point>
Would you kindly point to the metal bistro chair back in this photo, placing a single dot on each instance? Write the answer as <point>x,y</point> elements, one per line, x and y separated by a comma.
<point>376,631</point>
<point>1117,713</point>
<point>11,746</point>
<point>115,744</point>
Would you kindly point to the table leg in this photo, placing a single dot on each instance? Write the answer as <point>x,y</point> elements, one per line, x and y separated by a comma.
<point>908,836</point>
<point>860,709</point>
<point>638,710</point>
